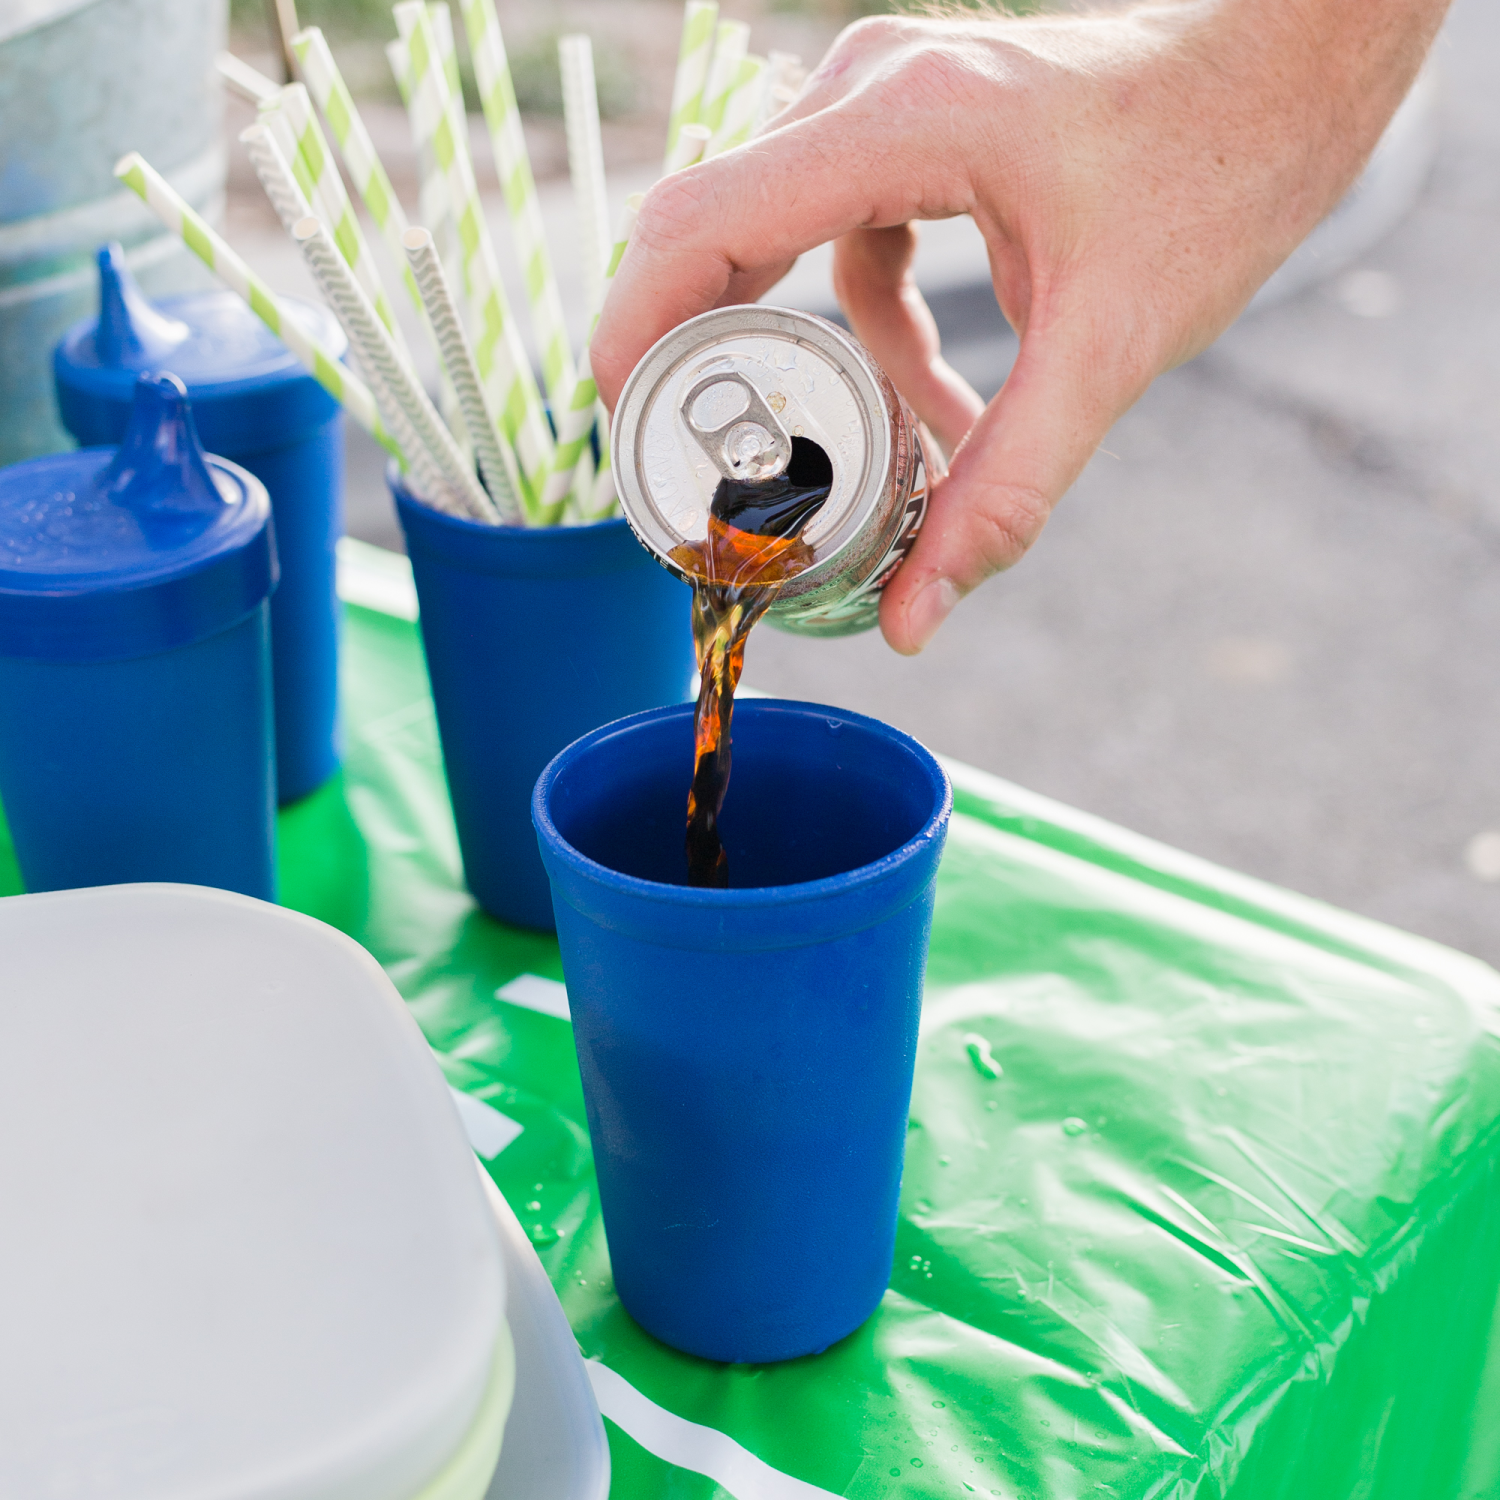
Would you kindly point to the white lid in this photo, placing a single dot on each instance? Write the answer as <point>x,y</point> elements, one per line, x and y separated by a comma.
<point>246,1255</point>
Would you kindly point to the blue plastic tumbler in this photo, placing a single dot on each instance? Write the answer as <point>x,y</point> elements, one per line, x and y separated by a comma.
<point>255,405</point>
<point>135,670</point>
<point>747,1053</point>
<point>534,636</point>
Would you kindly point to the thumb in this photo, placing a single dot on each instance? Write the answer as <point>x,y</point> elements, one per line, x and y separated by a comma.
<point>1019,458</point>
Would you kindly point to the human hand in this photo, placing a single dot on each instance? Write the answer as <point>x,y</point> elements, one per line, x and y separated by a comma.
<point>1135,176</point>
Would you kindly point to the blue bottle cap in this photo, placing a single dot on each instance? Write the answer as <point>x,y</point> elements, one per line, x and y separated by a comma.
<point>107,554</point>
<point>249,391</point>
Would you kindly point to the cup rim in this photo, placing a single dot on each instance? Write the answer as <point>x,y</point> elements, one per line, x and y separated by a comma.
<point>431,514</point>
<point>747,897</point>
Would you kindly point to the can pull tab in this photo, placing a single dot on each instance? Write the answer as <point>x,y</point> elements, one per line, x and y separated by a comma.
<point>748,442</point>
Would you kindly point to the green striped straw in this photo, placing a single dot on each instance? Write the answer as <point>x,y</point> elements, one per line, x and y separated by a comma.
<point>742,106</point>
<point>585,408</point>
<point>510,388</point>
<point>327,86</point>
<point>731,42</point>
<point>321,363</point>
<point>698,20</point>
<point>291,115</point>
<point>513,166</point>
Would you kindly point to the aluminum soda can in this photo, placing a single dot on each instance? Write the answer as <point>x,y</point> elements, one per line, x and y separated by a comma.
<point>722,397</point>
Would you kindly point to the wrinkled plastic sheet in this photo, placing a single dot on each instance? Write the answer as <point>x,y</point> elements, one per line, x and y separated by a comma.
<point>1202,1193</point>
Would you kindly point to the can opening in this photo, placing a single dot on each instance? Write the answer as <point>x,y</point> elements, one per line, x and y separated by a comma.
<point>781,506</point>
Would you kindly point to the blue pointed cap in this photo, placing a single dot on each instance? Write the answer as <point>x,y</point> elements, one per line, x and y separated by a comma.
<point>249,391</point>
<point>130,333</point>
<point>113,553</point>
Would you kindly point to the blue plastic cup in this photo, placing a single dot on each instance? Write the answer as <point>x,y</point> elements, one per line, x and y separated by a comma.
<point>135,669</point>
<point>747,1053</point>
<point>534,636</point>
<point>255,405</point>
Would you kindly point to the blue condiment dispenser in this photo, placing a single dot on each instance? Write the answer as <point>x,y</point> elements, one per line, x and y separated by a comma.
<point>135,670</point>
<point>255,405</point>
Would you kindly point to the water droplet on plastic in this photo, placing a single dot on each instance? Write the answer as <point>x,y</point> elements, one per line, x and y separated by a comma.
<point>916,1463</point>
<point>535,1206</point>
<point>835,726</point>
<point>1045,1422</point>
<point>1074,1126</point>
<point>992,1104</point>
<point>537,1188</point>
<point>916,1263</point>
<point>542,1234</point>
<point>940,1405</point>
<point>895,1473</point>
<point>978,1048</point>
<point>943,1161</point>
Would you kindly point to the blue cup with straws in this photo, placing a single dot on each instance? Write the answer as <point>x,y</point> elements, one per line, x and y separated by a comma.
<point>534,636</point>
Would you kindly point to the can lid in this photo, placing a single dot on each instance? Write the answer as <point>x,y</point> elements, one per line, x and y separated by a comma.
<point>249,390</point>
<point>107,554</point>
<point>782,375</point>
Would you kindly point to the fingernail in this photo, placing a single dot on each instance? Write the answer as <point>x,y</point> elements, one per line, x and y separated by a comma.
<point>929,609</point>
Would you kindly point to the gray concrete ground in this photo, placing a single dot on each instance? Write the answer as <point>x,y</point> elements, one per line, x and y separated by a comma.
<point>1265,626</point>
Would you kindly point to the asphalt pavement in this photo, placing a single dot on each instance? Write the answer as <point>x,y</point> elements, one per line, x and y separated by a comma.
<point>1265,625</point>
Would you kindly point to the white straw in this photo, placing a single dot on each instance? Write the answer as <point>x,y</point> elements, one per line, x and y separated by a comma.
<point>496,460</point>
<point>242,79</point>
<point>692,141</point>
<point>575,55</point>
<point>378,356</point>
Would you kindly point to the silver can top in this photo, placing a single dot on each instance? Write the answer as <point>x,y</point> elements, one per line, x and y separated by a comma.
<point>722,396</point>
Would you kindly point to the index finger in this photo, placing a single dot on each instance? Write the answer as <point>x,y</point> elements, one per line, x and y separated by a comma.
<point>742,218</point>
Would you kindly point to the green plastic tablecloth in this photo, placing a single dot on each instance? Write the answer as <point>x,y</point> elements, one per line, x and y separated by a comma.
<point>1202,1190</point>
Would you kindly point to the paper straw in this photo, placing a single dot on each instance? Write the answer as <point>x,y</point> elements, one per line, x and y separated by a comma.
<point>496,461</point>
<point>323,365</point>
<point>327,86</point>
<point>577,421</point>
<point>269,161</point>
<point>698,20</point>
<point>731,42</point>
<point>440,18</point>
<point>692,141</point>
<point>586,409</point>
<point>243,80</point>
<point>575,56</point>
<point>377,353</point>
<point>509,386</point>
<point>742,106</point>
<point>319,179</point>
<point>497,96</point>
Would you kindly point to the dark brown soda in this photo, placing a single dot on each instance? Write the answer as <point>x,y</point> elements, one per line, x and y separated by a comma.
<point>753,549</point>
